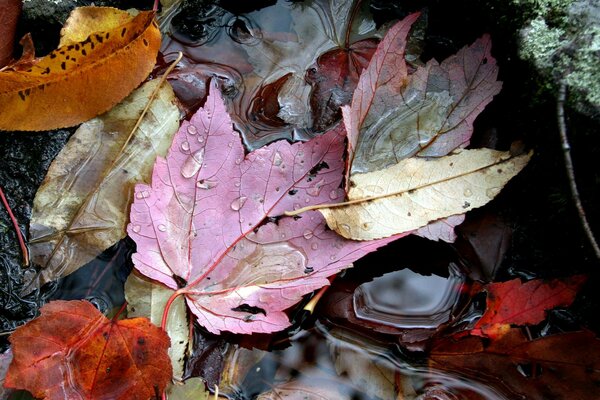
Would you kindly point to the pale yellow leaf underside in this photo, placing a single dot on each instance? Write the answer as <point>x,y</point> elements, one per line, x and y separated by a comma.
<point>146,298</point>
<point>416,191</point>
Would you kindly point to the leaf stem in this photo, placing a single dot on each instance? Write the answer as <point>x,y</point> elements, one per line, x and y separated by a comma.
<point>24,249</point>
<point>350,22</point>
<point>562,129</point>
<point>165,315</point>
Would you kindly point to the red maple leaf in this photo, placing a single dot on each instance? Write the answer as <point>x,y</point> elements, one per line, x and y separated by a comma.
<point>519,303</point>
<point>72,351</point>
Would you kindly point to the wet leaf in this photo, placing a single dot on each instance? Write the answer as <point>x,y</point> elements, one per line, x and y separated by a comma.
<point>562,366</point>
<point>334,78</point>
<point>81,207</point>
<point>5,360</point>
<point>416,191</point>
<point>191,389</point>
<point>204,226</point>
<point>84,21</point>
<point>378,85</point>
<point>263,59</point>
<point>516,303</point>
<point>146,298</point>
<point>430,112</point>
<point>375,378</point>
<point>306,389</point>
<point>115,60</point>
<point>9,16</point>
<point>91,356</point>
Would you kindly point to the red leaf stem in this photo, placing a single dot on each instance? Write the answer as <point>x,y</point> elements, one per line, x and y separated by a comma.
<point>24,250</point>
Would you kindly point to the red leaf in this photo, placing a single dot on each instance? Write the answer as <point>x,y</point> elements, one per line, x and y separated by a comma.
<point>563,366</point>
<point>334,78</point>
<point>72,351</point>
<point>9,16</point>
<point>211,221</point>
<point>523,304</point>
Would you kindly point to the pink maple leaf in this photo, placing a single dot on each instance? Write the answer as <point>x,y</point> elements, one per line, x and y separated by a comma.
<point>210,225</point>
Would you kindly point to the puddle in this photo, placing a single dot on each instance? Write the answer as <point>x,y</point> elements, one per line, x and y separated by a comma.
<point>406,299</point>
<point>261,60</point>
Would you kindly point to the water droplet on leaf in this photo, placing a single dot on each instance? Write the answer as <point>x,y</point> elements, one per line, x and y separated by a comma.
<point>192,165</point>
<point>162,228</point>
<point>307,234</point>
<point>238,203</point>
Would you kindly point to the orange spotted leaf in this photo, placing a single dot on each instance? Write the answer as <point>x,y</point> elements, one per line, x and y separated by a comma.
<point>72,351</point>
<point>516,303</point>
<point>81,79</point>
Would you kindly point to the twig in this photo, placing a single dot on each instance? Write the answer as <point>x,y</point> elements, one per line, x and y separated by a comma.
<point>562,129</point>
<point>24,250</point>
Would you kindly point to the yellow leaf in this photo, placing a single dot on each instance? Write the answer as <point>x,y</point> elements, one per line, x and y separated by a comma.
<point>83,21</point>
<point>80,80</point>
<point>416,191</point>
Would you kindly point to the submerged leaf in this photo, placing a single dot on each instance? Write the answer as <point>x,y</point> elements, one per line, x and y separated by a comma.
<point>72,351</point>
<point>416,191</point>
<point>148,299</point>
<point>204,223</point>
<point>562,366</point>
<point>519,303</point>
<point>81,207</point>
<point>80,80</point>
<point>394,115</point>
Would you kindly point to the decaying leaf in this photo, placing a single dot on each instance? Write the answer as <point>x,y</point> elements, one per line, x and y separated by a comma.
<point>519,303</point>
<point>191,389</point>
<point>81,207</point>
<point>72,351</point>
<point>394,115</point>
<point>80,80</point>
<point>204,226</point>
<point>9,16</point>
<point>562,366</point>
<point>83,21</point>
<point>416,191</point>
<point>307,389</point>
<point>148,299</point>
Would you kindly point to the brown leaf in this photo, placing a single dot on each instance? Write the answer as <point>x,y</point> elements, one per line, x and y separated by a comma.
<point>79,81</point>
<point>72,351</point>
<point>563,366</point>
<point>9,16</point>
<point>81,207</point>
<point>416,191</point>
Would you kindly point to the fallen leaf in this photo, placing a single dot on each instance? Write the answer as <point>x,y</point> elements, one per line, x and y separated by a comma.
<point>84,21</point>
<point>430,112</point>
<point>562,366</point>
<point>191,389</point>
<point>334,78</point>
<point>72,351</point>
<point>516,303</point>
<point>416,191</point>
<point>9,16</point>
<point>379,83</point>
<point>61,89</point>
<point>5,360</point>
<point>203,225</point>
<point>307,389</point>
<point>376,378</point>
<point>148,299</point>
<point>81,207</point>
<point>483,242</point>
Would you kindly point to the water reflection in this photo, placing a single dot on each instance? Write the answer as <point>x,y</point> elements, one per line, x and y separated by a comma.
<point>406,299</point>
<point>327,363</point>
<point>261,59</point>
